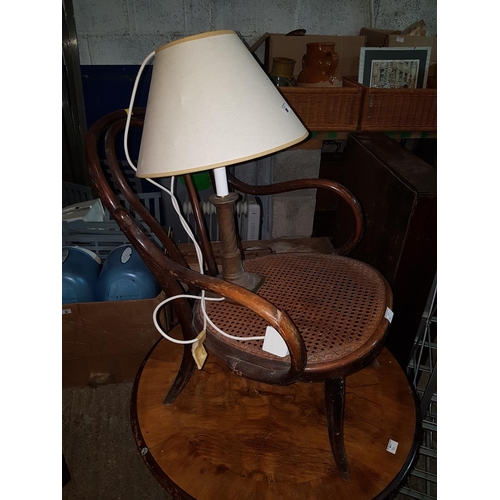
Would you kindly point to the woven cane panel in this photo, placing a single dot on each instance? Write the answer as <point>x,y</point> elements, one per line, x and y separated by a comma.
<point>335,302</point>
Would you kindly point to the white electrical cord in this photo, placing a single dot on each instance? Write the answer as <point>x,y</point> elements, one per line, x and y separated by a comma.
<point>163,188</point>
<point>186,227</point>
<point>205,316</point>
<point>159,306</point>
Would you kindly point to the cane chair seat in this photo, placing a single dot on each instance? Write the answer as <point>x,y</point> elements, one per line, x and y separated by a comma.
<point>338,305</point>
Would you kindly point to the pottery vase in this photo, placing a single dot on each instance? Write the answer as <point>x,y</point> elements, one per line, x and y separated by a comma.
<point>319,66</point>
<point>282,71</point>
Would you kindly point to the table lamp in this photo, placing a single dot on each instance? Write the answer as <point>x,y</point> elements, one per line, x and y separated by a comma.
<point>211,105</point>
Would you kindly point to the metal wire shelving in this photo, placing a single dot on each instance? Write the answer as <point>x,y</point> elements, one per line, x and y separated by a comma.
<point>422,372</point>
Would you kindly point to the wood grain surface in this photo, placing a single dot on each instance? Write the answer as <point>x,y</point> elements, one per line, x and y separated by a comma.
<point>230,438</point>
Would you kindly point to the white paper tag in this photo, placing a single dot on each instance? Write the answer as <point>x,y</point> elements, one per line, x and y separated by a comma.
<point>285,108</point>
<point>400,39</point>
<point>274,344</point>
<point>392,446</point>
<point>388,314</point>
<point>66,311</point>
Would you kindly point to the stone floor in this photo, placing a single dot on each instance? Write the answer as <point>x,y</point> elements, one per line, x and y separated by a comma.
<point>99,447</point>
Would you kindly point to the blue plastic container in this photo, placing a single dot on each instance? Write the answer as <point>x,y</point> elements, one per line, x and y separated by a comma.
<point>80,272</point>
<point>125,276</point>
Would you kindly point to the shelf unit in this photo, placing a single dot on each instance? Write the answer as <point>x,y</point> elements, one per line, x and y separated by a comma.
<point>422,372</point>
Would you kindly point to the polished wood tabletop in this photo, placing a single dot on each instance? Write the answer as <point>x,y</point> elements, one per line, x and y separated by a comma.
<point>227,437</point>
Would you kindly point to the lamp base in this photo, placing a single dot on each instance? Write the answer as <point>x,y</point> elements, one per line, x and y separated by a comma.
<point>249,281</point>
<point>232,268</point>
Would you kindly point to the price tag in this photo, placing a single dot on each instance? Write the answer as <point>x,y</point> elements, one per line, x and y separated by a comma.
<point>388,314</point>
<point>198,350</point>
<point>392,446</point>
<point>274,344</point>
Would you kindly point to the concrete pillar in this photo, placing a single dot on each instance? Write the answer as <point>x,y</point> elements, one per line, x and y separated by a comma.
<point>293,213</point>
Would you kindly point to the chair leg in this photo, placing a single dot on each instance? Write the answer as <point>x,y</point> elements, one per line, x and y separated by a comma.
<point>335,400</point>
<point>186,369</point>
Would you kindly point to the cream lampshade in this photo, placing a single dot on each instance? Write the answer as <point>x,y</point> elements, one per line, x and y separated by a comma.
<point>211,105</point>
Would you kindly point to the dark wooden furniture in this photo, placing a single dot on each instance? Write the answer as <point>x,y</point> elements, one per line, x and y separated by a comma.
<point>398,193</point>
<point>66,476</point>
<point>330,310</point>
<point>230,437</point>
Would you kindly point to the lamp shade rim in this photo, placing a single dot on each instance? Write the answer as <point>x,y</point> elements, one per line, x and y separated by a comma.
<point>196,37</point>
<point>202,168</point>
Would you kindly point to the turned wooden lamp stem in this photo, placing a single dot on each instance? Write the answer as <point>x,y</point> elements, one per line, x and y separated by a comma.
<point>232,266</point>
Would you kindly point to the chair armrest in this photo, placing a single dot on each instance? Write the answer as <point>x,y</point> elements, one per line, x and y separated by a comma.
<point>334,187</point>
<point>164,268</point>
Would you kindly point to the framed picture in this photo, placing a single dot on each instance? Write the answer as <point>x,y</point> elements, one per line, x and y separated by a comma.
<point>394,67</point>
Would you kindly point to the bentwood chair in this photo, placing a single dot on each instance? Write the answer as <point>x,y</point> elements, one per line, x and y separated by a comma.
<point>331,310</point>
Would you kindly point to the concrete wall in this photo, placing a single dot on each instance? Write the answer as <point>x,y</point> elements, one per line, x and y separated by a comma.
<point>126,31</point>
<point>286,215</point>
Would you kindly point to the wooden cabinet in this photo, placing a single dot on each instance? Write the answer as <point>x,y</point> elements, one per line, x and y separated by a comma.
<point>397,191</point>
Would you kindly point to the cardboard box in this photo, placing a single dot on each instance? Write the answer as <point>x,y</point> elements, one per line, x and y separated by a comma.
<point>394,38</point>
<point>294,47</point>
<point>106,342</point>
<point>414,41</point>
<point>376,38</point>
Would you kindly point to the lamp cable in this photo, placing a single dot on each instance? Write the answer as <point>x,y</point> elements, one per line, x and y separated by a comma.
<point>186,227</point>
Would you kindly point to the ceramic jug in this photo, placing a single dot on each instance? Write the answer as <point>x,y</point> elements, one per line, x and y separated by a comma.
<point>282,71</point>
<point>319,65</point>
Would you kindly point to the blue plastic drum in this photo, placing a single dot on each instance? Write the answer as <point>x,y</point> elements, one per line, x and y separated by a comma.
<point>125,276</point>
<point>80,272</point>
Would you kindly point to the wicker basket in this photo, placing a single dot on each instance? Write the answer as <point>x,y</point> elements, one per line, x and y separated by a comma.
<point>397,110</point>
<point>324,109</point>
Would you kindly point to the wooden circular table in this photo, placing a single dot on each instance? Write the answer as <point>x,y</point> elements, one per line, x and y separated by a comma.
<point>227,437</point>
